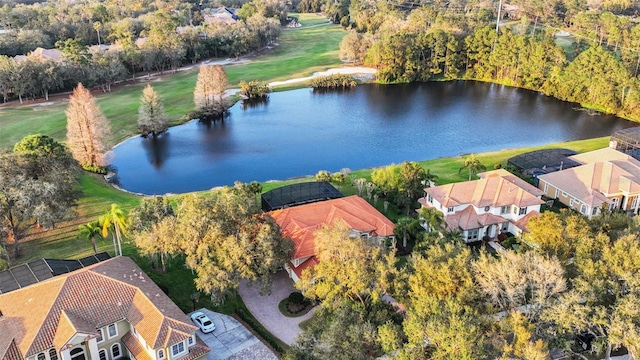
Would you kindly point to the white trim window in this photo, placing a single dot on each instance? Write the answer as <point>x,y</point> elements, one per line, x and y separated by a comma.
<point>546,187</point>
<point>504,210</point>
<point>450,209</point>
<point>160,354</point>
<point>116,352</point>
<point>41,356</point>
<point>100,337</point>
<point>522,211</point>
<point>177,349</point>
<point>53,354</point>
<point>112,331</point>
<point>102,354</point>
<point>190,340</point>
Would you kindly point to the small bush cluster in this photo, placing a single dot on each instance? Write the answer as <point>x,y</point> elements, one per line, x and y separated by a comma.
<point>333,82</point>
<point>254,89</point>
<point>102,170</point>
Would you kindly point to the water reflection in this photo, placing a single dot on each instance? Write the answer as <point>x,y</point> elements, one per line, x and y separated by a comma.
<point>254,103</point>
<point>156,148</point>
<point>300,132</point>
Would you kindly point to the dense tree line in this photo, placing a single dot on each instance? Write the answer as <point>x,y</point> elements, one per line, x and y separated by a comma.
<point>571,275</point>
<point>460,41</point>
<point>159,47</point>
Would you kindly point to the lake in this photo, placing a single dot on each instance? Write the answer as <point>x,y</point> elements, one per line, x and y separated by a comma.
<point>300,132</point>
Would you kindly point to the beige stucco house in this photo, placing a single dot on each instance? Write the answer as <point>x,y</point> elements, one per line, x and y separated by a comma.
<point>496,203</point>
<point>105,311</point>
<point>607,178</point>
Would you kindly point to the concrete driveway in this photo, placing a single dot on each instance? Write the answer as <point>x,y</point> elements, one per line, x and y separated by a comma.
<point>265,308</point>
<point>231,340</point>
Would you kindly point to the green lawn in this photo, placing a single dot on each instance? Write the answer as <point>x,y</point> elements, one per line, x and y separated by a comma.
<point>301,52</point>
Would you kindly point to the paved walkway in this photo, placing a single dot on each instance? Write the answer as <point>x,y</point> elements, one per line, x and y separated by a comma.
<point>265,308</point>
<point>232,341</point>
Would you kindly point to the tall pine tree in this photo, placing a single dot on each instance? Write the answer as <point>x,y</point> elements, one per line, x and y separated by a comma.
<point>152,119</point>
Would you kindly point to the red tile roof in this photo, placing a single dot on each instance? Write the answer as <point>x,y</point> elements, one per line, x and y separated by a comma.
<point>90,298</point>
<point>299,223</point>
<point>309,263</point>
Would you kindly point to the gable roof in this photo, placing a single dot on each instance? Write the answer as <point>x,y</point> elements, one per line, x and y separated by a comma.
<point>469,219</point>
<point>49,313</point>
<point>299,223</point>
<point>494,188</point>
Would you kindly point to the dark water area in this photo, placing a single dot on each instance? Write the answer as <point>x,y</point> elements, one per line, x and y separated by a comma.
<point>300,132</point>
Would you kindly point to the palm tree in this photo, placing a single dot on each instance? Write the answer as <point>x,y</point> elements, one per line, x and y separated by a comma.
<point>117,219</point>
<point>472,164</point>
<point>91,231</point>
<point>433,218</point>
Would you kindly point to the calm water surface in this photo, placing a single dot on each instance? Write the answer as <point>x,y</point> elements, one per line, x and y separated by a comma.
<point>300,132</point>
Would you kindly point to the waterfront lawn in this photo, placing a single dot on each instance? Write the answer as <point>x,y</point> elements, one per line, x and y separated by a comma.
<point>301,52</point>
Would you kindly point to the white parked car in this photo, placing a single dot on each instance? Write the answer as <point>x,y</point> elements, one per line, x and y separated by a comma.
<point>203,322</point>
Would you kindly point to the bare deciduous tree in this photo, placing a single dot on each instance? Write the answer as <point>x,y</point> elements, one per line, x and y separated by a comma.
<point>87,129</point>
<point>210,87</point>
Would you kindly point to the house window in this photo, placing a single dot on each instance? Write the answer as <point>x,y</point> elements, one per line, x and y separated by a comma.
<point>102,354</point>
<point>160,354</point>
<point>77,354</point>
<point>555,195</point>
<point>450,209</point>
<point>41,356</point>
<point>504,210</point>
<point>430,199</point>
<point>112,330</point>
<point>583,208</point>
<point>523,210</point>
<point>570,202</point>
<point>564,194</point>
<point>53,354</point>
<point>472,235</point>
<point>614,204</point>
<point>190,341</point>
<point>487,208</point>
<point>594,211</point>
<point>634,202</point>
<point>546,187</point>
<point>115,351</point>
<point>177,349</point>
<point>100,337</point>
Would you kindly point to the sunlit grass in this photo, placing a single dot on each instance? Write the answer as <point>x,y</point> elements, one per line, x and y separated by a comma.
<point>301,52</point>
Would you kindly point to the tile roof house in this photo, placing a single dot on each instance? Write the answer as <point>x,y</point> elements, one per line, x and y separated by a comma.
<point>43,54</point>
<point>299,223</point>
<point>498,202</point>
<point>104,311</point>
<point>607,178</point>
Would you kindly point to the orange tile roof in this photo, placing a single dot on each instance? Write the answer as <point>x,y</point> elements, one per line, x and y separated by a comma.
<point>133,345</point>
<point>309,263</point>
<point>90,298</point>
<point>299,223</point>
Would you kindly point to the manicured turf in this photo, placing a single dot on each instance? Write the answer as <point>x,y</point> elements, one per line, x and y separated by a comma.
<point>301,52</point>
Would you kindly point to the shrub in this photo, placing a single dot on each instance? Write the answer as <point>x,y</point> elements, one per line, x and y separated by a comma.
<point>323,176</point>
<point>333,82</point>
<point>296,298</point>
<point>102,170</point>
<point>254,89</point>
